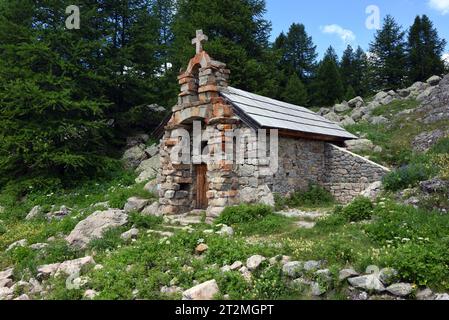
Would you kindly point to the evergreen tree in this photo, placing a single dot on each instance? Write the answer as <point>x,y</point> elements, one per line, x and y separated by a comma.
<point>328,86</point>
<point>361,73</point>
<point>389,56</point>
<point>238,35</point>
<point>295,91</point>
<point>49,125</point>
<point>425,49</point>
<point>298,53</point>
<point>347,67</point>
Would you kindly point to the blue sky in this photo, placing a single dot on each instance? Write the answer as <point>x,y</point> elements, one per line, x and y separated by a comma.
<point>339,22</point>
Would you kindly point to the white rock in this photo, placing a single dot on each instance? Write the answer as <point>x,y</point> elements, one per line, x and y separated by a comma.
<point>90,294</point>
<point>347,121</point>
<point>312,265</point>
<point>152,210</point>
<point>425,294</point>
<point>7,274</point>
<point>332,116</point>
<point>39,246</point>
<point>368,282</point>
<point>135,204</point>
<point>379,120</point>
<point>357,102</point>
<point>442,296</point>
<point>6,283</point>
<point>341,108</point>
<point>388,276</point>
<point>34,213</point>
<point>433,80</point>
<point>226,231</point>
<point>254,262</point>
<point>359,145</point>
<point>293,269</point>
<point>347,273</point>
<point>130,234</point>
<point>400,289</point>
<point>152,186</point>
<point>6,293</point>
<point>20,243</point>
<point>95,225</point>
<point>236,265</point>
<point>316,289</point>
<point>373,191</point>
<point>23,297</point>
<point>148,169</point>
<point>203,291</point>
<point>69,267</point>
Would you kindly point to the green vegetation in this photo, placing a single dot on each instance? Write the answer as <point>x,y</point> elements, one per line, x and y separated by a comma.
<point>314,197</point>
<point>359,209</point>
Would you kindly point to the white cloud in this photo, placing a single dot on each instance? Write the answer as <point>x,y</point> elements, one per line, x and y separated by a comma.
<point>347,36</point>
<point>440,5</point>
<point>446,58</point>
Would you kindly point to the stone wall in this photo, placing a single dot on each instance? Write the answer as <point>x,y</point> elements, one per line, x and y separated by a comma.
<point>348,174</point>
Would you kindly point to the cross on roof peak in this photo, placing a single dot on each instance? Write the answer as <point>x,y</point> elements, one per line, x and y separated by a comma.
<point>200,37</point>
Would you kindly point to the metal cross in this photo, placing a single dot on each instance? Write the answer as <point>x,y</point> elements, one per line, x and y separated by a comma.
<point>200,37</point>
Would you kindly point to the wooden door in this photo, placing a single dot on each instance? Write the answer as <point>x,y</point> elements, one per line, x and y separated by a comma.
<point>201,186</point>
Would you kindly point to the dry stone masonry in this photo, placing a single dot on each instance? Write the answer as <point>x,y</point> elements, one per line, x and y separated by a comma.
<point>301,160</point>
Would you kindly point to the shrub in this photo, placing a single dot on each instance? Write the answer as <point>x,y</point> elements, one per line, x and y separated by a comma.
<point>244,213</point>
<point>442,162</point>
<point>315,196</point>
<point>359,209</point>
<point>441,147</point>
<point>406,177</point>
<point>142,221</point>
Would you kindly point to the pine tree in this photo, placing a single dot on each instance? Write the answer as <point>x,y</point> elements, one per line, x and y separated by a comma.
<point>389,56</point>
<point>295,92</point>
<point>238,35</point>
<point>299,52</point>
<point>424,49</point>
<point>347,67</point>
<point>361,82</point>
<point>48,124</point>
<point>328,86</point>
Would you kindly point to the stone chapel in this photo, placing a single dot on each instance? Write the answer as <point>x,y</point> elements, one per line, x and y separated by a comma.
<point>310,148</point>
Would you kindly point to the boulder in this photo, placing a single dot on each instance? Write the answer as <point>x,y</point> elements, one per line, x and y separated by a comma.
<point>417,88</point>
<point>373,191</point>
<point>69,267</point>
<point>426,140</point>
<point>434,80</point>
<point>312,265</point>
<point>368,283</point>
<point>201,248</point>
<point>7,274</point>
<point>442,296</point>
<point>425,294</point>
<point>293,269</point>
<point>332,116</point>
<point>152,210</point>
<point>152,150</point>
<point>95,225</point>
<point>135,204</point>
<point>359,145</point>
<point>254,262</point>
<point>60,214</point>
<point>357,114</point>
<point>404,93</point>
<point>425,94</point>
<point>347,121</point>
<point>357,102</point>
<point>388,276</point>
<point>148,169</point>
<point>152,187</point>
<point>6,293</point>
<point>134,156</point>
<point>130,234</point>
<point>6,283</point>
<point>342,107</point>
<point>22,297</point>
<point>226,231</point>
<point>316,289</point>
<point>400,289</point>
<point>379,120</point>
<point>17,244</point>
<point>236,265</point>
<point>34,213</point>
<point>434,185</point>
<point>90,294</point>
<point>39,246</point>
<point>380,96</point>
<point>203,291</point>
<point>323,111</point>
<point>347,273</point>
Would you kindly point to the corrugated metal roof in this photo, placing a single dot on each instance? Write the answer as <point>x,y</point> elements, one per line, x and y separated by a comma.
<point>270,113</point>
